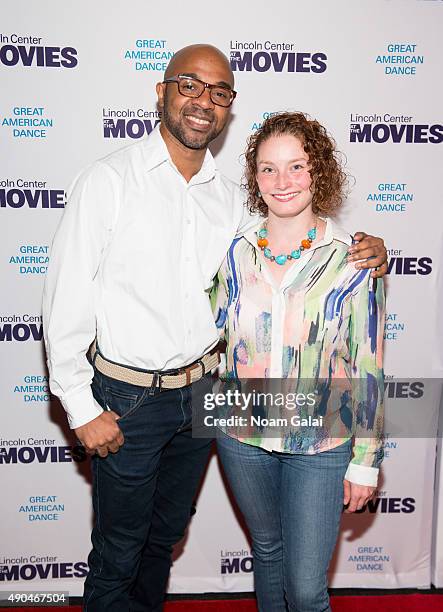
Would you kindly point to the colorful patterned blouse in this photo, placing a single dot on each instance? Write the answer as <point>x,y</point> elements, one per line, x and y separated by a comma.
<point>322,328</point>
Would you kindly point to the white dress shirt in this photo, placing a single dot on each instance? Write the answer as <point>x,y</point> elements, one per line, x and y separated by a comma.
<point>131,264</point>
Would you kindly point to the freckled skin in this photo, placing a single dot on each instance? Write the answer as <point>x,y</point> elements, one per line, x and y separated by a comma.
<point>282,168</point>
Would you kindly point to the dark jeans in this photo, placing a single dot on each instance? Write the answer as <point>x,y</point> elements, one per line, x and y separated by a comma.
<point>142,495</point>
<point>292,505</point>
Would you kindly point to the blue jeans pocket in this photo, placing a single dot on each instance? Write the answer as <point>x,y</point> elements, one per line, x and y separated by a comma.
<point>123,403</point>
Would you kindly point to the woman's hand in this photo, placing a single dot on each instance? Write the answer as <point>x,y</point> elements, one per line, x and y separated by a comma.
<point>373,250</point>
<point>356,495</point>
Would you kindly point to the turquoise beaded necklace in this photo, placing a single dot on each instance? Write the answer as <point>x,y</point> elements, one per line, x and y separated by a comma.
<point>262,242</point>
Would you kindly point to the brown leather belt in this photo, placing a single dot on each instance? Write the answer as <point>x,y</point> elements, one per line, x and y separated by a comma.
<point>174,379</point>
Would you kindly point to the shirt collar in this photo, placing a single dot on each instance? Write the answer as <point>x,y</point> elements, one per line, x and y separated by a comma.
<point>335,232</point>
<point>156,153</point>
<point>332,232</point>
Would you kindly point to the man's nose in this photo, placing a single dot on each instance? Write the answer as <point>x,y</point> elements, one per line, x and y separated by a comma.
<point>205,99</point>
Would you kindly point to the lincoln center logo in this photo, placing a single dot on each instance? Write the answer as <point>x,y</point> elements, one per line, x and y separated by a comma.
<point>393,128</point>
<point>42,570</point>
<point>21,193</point>
<point>262,56</point>
<point>39,451</point>
<point>389,505</point>
<point>402,265</point>
<point>236,561</point>
<point>20,328</point>
<point>29,51</point>
<point>129,123</point>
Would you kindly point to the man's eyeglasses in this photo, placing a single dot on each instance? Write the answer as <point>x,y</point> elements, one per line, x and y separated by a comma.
<point>193,88</point>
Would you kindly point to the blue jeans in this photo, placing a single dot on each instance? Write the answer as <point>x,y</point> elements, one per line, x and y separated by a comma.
<point>142,495</point>
<point>292,505</point>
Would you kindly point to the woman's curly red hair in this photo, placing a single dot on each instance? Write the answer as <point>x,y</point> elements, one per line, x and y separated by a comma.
<point>326,167</point>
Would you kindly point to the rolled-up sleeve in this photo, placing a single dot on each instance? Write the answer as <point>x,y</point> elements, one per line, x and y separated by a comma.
<point>69,313</point>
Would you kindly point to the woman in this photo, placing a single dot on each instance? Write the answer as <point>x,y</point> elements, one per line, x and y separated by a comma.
<point>292,307</point>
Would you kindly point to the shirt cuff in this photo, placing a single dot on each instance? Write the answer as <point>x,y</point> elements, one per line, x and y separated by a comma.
<point>362,474</point>
<point>81,407</point>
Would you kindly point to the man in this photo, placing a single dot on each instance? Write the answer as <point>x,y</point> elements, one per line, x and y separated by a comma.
<point>142,237</point>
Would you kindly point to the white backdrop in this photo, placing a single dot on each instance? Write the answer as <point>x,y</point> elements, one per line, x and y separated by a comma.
<point>77,82</point>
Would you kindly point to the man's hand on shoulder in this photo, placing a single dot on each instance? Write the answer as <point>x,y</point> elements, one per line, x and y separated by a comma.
<point>102,434</point>
<point>373,250</point>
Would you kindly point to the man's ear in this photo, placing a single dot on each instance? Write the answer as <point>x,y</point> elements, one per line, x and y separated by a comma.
<point>160,89</point>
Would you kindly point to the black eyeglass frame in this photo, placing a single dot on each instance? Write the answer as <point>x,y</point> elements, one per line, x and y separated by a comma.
<point>209,86</point>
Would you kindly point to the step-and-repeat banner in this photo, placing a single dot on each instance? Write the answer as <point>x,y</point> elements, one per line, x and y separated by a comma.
<point>78,82</point>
